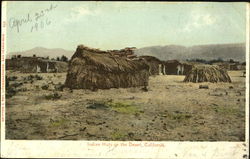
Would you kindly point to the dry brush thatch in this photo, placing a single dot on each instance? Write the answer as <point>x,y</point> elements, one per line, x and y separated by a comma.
<point>35,65</point>
<point>207,73</point>
<point>94,69</point>
<point>153,63</point>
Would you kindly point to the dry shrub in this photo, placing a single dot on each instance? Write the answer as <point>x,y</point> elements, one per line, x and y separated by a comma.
<point>53,96</point>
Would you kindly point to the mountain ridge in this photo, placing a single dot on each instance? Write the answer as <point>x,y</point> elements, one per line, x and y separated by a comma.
<point>234,51</point>
<point>228,51</point>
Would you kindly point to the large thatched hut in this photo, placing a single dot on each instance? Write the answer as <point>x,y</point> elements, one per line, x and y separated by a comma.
<point>95,69</point>
<point>207,73</point>
<point>156,66</point>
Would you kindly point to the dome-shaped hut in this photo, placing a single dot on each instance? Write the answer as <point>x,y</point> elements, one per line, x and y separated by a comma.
<point>207,73</point>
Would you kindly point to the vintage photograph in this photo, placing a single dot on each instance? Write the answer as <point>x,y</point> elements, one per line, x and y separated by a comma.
<point>125,71</point>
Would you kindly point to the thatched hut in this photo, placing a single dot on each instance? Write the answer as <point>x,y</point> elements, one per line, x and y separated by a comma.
<point>233,66</point>
<point>156,66</point>
<point>173,67</point>
<point>187,67</point>
<point>207,73</point>
<point>222,65</point>
<point>35,65</point>
<point>95,69</point>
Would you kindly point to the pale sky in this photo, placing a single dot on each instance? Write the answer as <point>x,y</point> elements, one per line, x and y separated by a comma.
<point>115,25</point>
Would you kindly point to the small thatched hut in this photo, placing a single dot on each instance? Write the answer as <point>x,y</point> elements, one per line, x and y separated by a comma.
<point>187,67</point>
<point>156,66</point>
<point>207,73</point>
<point>95,69</point>
<point>35,65</point>
<point>231,66</point>
<point>173,67</point>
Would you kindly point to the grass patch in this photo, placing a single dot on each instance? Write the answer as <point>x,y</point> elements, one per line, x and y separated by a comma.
<point>118,135</point>
<point>58,123</point>
<point>180,117</point>
<point>53,96</point>
<point>227,110</point>
<point>177,116</point>
<point>121,107</point>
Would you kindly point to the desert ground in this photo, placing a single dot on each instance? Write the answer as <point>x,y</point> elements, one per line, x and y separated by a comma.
<point>38,107</point>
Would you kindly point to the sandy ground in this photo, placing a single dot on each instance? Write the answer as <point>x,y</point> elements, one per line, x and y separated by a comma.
<point>170,110</point>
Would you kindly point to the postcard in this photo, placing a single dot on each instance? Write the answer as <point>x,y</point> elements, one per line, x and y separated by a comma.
<point>124,80</point>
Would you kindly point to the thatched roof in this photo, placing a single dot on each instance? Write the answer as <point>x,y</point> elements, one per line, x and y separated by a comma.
<point>106,61</point>
<point>153,62</point>
<point>30,64</point>
<point>126,52</point>
<point>207,73</point>
<point>151,59</point>
<point>92,68</point>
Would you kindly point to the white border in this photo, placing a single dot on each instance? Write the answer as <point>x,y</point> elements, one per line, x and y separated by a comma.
<point>247,73</point>
<point>74,149</point>
<point>3,53</point>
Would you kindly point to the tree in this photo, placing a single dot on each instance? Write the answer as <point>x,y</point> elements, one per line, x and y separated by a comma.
<point>64,58</point>
<point>13,57</point>
<point>220,59</point>
<point>57,58</point>
<point>34,55</point>
<point>231,61</point>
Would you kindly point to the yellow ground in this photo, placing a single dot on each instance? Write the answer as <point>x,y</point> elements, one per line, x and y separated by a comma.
<point>169,111</point>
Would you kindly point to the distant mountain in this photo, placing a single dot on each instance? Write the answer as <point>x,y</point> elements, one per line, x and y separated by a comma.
<point>207,52</point>
<point>168,52</point>
<point>44,52</point>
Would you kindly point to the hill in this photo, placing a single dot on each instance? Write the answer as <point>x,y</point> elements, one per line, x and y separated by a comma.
<point>168,52</point>
<point>207,52</point>
<point>44,52</point>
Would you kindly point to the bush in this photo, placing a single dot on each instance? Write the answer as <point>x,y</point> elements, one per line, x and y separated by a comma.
<point>16,84</point>
<point>11,89</point>
<point>30,77</point>
<point>22,89</point>
<point>45,87</point>
<point>34,77</point>
<point>59,87</point>
<point>12,78</point>
<point>53,96</point>
<point>37,77</point>
<point>10,92</point>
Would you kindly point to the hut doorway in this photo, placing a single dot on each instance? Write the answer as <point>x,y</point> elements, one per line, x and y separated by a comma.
<point>180,70</point>
<point>38,69</point>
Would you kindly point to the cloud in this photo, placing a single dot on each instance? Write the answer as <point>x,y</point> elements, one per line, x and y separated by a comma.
<point>78,12</point>
<point>199,20</point>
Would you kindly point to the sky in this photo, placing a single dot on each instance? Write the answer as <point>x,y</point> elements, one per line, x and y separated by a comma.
<point>115,25</point>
